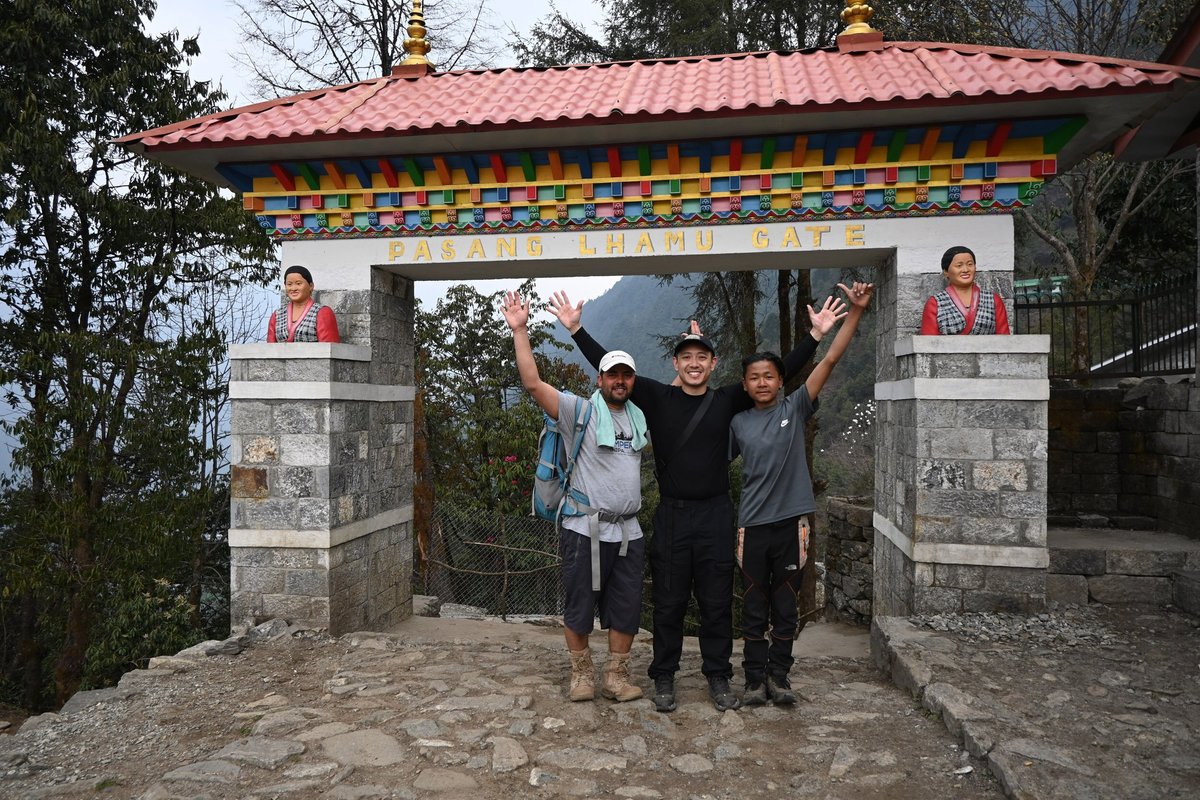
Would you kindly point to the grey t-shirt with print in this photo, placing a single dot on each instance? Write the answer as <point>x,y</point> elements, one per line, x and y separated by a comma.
<point>611,477</point>
<point>771,442</point>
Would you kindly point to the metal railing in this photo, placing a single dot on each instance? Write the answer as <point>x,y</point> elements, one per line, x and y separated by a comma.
<point>1151,332</point>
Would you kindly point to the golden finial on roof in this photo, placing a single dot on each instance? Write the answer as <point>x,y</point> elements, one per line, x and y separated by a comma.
<point>859,36</point>
<point>416,46</point>
<point>856,16</point>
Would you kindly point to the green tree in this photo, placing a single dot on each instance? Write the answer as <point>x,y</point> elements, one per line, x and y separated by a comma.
<point>476,412</point>
<point>108,342</point>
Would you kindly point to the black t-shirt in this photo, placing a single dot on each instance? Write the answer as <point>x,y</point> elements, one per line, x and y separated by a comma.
<point>700,469</point>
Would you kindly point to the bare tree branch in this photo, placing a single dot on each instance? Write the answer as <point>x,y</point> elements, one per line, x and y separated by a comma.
<point>293,46</point>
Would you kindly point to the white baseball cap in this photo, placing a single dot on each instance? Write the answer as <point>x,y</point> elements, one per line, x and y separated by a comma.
<point>614,357</point>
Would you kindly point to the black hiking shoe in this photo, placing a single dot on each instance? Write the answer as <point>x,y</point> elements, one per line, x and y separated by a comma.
<point>755,694</point>
<point>722,696</point>
<point>779,689</point>
<point>664,693</point>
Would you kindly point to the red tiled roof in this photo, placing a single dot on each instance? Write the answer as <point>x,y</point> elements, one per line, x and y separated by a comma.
<point>900,74</point>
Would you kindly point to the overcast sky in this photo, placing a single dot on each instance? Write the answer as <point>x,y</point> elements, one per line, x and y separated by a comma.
<point>217,24</point>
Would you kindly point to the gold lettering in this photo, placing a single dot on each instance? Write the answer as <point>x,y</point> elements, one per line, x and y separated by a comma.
<point>584,250</point>
<point>760,239</point>
<point>476,250</point>
<point>506,246</point>
<point>644,244</point>
<point>616,244</point>
<point>674,239</point>
<point>533,245</point>
<point>422,252</point>
<point>790,238</point>
<point>395,250</point>
<point>817,232</point>
<point>448,253</point>
<point>855,236</point>
<point>704,240</point>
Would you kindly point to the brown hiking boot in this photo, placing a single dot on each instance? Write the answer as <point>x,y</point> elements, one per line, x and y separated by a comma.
<point>616,685</point>
<point>583,676</point>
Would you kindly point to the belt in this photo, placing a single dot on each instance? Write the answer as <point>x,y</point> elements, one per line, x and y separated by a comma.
<point>594,519</point>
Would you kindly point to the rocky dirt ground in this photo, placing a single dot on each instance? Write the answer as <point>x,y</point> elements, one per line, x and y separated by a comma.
<point>1095,702</point>
<point>1092,702</point>
<point>464,708</point>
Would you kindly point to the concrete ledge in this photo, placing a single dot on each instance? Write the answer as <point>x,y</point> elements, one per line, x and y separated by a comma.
<point>319,390</point>
<point>1129,590</point>
<point>964,388</point>
<point>271,350</point>
<point>984,555</point>
<point>1067,589</point>
<point>909,345</point>
<point>319,539</point>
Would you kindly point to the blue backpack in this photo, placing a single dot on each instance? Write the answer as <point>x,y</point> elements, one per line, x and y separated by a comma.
<point>553,496</point>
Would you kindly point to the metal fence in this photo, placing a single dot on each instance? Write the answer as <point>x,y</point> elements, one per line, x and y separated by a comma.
<point>509,566</point>
<point>505,565</point>
<point>1148,332</point>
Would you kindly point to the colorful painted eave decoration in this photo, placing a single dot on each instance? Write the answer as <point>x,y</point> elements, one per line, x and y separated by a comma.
<point>991,167</point>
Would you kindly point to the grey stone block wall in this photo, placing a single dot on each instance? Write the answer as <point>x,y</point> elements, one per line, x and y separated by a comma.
<point>1126,457</point>
<point>303,469</point>
<point>849,570</point>
<point>370,580</point>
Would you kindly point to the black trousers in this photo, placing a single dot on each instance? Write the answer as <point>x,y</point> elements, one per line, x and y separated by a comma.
<point>771,557</point>
<point>691,553</point>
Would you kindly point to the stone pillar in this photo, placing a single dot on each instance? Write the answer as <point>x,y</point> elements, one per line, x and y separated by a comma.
<point>960,475</point>
<point>321,468</point>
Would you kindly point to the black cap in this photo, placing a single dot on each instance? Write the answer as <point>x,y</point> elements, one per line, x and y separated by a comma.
<point>694,338</point>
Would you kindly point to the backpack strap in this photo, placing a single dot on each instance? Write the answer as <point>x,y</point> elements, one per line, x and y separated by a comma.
<point>583,415</point>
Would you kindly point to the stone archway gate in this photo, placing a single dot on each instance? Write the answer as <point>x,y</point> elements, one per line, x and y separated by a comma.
<point>871,153</point>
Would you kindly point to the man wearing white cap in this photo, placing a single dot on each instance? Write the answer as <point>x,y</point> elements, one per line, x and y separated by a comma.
<point>605,548</point>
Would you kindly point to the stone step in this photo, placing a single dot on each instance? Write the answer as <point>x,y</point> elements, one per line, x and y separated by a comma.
<point>1186,591</point>
<point>1117,566</point>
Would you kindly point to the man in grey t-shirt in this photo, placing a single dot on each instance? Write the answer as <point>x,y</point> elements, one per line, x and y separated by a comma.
<point>603,553</point>
<point>773,525</point>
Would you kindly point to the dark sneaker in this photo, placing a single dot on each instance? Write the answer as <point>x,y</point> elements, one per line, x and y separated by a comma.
<point>722,696</point>
<point>755,694</point>
<point>779,689</point>
<point>664,693</point>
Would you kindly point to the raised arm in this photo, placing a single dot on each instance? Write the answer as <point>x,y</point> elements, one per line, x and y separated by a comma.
<point>570,317</point>
<point>859,297</point>
<point>516,314</point>
<point>832,310</point>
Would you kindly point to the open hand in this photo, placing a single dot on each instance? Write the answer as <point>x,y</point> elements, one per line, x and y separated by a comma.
<point>823,321</point>
<point>515,311</point>
<point>569,315</point>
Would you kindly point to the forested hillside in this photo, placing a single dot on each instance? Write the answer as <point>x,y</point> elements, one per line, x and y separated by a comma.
<point>633,316</point>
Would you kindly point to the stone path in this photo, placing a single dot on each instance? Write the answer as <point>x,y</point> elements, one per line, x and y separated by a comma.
<point>469,709</point>
<point>1090,703</point>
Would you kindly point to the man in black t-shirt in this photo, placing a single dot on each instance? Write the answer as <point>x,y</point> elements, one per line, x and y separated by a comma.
<point>691,551</point>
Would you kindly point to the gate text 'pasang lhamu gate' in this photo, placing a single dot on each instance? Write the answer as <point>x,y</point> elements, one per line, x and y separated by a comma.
<point>869,154</point>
